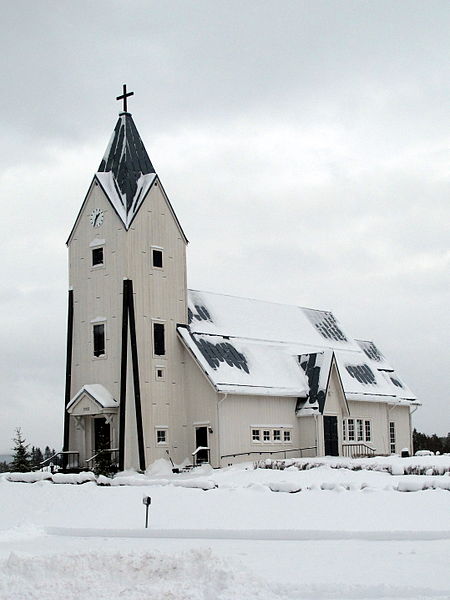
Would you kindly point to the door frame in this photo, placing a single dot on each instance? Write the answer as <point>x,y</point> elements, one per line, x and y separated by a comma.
<point>204,456</point>
<point>337,441</point>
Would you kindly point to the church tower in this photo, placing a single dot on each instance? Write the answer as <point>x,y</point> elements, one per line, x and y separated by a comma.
<point>127,293</point>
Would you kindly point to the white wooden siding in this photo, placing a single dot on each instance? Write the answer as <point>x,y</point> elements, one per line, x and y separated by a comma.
<point>158,294</point>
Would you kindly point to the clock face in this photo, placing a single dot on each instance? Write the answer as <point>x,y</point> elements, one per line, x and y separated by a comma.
<point>96,217</point>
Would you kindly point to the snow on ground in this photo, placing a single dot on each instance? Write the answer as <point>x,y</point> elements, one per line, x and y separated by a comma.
<point>347,534</point>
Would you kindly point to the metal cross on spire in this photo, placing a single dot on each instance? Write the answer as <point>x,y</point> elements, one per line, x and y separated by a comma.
<point>124,97</point>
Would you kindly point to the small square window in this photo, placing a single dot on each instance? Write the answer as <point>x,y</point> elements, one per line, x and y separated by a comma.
<point>266,435</point>
<point>287,436</point>
<point>161,436</point>
<point>157,258</point>
<point>97,257</point>
<point>160,373</point>
<point>276,435</point>
<point>255,435</point>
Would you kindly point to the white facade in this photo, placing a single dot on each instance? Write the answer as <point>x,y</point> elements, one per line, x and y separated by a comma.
<point>155,370</point>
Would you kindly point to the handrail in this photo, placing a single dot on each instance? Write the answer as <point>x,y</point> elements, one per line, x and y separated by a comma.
<point>358,446</point>
<point>110,450</point>
<point>197,450</point>
<point>269,452</point>
<point>44,462</point>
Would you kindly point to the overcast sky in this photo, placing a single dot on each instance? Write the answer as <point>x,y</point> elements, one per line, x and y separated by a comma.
<point>304,147</point>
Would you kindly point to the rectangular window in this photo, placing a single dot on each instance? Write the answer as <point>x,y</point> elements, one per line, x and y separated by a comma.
<point>160,373</point>
<point>159,344</point>
<point>161,437</point>
<point>351,430</point>
<point>356,430</point>
<point>287,436</point>
<point>360,430</point>
<point>255,435</point>
<point>276,435</point>
<point>392,437</point>
<point>99,339</point>
<point>157,258</point>
<point>97,257</point>
<point>266,435</point>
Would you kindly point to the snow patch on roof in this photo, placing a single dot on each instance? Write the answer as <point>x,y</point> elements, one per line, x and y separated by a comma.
<point>218,314</point>
<point>98,393</point>
<point>242,366</point>
<point>272,338</point>
<point>118,200</point>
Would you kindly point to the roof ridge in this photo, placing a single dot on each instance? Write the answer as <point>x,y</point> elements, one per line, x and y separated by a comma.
<point>259,300</point>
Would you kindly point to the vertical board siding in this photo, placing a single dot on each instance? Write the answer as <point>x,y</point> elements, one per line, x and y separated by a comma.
<point>157,294</point>
<point>238,413</point>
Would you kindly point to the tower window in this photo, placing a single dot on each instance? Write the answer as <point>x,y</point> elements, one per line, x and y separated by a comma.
<point>97,256</point>
<point>99,339</point>
<point>160,373</point>
<point>157,258</point>
<point>159,343</point>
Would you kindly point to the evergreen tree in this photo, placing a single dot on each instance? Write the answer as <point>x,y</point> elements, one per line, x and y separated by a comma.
<point>36,457</point>
<point>104,464</point>
<point>4,467</point>
<point>422,441</point>
<point>21,462</point>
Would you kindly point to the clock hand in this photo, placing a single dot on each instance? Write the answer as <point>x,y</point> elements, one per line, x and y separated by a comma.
<point>96,218</point>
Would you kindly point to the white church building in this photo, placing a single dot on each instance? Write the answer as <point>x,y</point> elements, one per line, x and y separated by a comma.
<point>156,370</point>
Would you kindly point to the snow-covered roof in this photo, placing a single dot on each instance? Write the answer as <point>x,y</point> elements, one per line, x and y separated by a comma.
<point>374,355</point>
<point>265,348</point>
<point>243,366</point>
<point>96,392</point>
<point>316,366</point>
<point>219,314</point>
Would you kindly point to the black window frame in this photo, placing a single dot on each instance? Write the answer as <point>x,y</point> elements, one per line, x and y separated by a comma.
<point>161,437</point>
<point>157,258</point>
<point>99,339</point>
<point>159,339</point>
<point>96,253</point>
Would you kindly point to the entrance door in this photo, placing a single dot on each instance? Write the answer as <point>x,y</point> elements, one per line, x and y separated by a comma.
<point>102,434</point>
<point>330,432</point>
<point>201,439</point>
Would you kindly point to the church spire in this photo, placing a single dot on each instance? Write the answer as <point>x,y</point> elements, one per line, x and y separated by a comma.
<point>126,159</point>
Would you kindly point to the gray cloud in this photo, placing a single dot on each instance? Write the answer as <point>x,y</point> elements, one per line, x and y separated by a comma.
<point>303,146</point>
